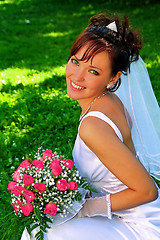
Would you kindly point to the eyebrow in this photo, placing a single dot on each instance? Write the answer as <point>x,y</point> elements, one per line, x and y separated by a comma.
<point>90,65</point>
<point>96,67</point>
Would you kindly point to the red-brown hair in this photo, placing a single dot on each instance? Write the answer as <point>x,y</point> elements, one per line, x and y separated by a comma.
<point>123,47</point>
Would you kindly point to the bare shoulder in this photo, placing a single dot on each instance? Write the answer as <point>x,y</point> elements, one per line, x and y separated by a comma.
<point>118,102</point>
<point>113,108</point>
<point>93,128</point>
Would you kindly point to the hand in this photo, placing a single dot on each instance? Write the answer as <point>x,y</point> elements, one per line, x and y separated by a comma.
<point>96,206</point>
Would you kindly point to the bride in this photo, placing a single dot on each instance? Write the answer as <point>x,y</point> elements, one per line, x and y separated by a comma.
<point>117,146</point>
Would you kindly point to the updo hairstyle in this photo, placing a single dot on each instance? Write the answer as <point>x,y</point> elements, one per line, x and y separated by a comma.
<point>123,46</point>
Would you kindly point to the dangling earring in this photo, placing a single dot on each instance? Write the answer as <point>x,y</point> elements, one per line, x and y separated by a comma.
<point>108,86</point>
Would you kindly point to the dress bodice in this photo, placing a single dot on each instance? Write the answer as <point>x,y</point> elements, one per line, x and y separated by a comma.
<point>90,166</point>
<point>139,223</point>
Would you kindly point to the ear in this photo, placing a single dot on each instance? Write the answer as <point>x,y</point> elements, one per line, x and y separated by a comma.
<point>115,78</point>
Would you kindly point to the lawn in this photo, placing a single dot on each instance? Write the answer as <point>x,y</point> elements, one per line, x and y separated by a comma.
<point>35,39</point>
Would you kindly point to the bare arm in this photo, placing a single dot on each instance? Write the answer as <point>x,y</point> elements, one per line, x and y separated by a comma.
<point>117,157</point>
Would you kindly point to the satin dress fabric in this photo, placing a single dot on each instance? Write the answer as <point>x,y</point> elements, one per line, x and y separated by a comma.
<point>139,223</point>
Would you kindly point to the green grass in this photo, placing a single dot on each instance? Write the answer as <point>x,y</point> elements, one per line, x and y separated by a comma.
<point>35,39</point>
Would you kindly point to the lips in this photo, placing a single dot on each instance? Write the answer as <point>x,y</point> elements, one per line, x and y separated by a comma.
<point>76,87</point>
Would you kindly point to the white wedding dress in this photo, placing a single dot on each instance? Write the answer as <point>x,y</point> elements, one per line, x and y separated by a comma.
<point>139,223</point>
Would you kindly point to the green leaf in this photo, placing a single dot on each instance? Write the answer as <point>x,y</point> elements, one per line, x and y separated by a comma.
<point>34,226</point>
<point>39,235</point>
<point>30,160</point>
<point>43,229</point>
<point>92,190</point>
<point>85,186</point>
<point>46,225</point>
<point>78,197</point>
<point>37,213</point>
<point>47,219</point>
<point>29,230</point>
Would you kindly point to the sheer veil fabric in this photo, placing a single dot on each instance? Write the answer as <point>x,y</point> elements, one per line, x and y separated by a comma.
<point>143,115</point>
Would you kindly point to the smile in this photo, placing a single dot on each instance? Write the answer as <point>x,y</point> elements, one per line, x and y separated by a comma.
<point>76,86</point>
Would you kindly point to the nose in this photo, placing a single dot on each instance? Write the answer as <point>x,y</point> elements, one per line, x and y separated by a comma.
<point>78,75</point>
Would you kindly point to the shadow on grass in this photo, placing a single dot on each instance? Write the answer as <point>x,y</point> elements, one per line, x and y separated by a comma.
<point>34,32</point>
<point>56,82</point>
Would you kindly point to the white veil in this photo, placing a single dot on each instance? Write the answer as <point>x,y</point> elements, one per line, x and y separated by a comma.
<point>138,97</point>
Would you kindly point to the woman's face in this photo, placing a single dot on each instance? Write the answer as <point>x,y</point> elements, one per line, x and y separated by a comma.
<point>87,80</point>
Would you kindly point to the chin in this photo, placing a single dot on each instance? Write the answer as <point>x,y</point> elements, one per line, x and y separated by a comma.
<point>72,95</point>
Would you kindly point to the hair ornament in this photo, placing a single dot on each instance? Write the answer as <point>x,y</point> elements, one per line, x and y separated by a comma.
<point>112,26</point>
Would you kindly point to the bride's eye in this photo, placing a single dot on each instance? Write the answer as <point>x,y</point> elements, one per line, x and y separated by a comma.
<point>74,61</point>
<point>94,72</point>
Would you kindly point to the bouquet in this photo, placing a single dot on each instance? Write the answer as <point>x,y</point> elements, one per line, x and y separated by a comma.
<point>45,190</point>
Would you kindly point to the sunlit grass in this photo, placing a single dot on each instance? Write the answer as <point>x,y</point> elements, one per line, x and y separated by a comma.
<point>35,40</point>
<point>15,76</point>
<point>56,34</point>
<point>155,62</point>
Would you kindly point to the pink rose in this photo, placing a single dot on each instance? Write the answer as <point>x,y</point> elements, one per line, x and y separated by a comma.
<point>25,163</point>
<point>16,175</point>
<point>62,185</point>
<point>28,180</point>
<point>18,190</point>
<point>56,168</point>
<point>38,164</point>
<point>26,209</point>
<point>54,163</point>
<point>73,185</point>
<point>41,187</point>
<point>69,163</point>
<point>17,205</point>
<point>47,154</point>
<point>11,186</point>
<point>51,209</point>
<point>29,196</point>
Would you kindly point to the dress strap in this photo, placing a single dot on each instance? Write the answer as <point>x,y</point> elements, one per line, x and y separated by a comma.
<point>103,117</point>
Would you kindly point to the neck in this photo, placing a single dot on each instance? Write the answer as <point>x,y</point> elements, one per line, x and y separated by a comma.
<point>84,104</point>
<point>88,105</point>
